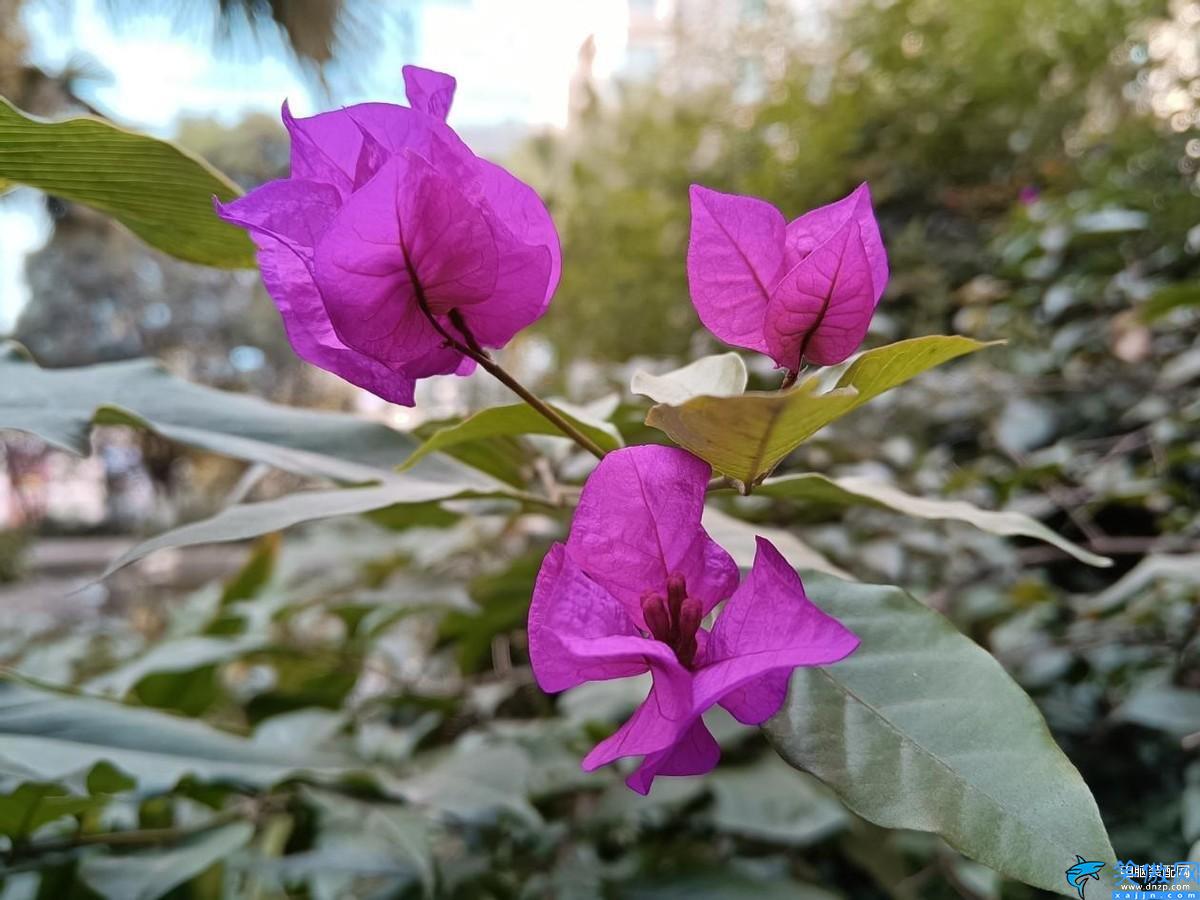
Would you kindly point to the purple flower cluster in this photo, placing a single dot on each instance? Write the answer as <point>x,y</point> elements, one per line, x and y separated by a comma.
<point>395,253</point>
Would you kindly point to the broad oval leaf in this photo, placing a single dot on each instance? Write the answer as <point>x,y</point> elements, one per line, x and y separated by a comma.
<point>159,192</point>
<point>722,375</point>
<point>853,491</point>
<point>922,729</point>
<point>746,437</point>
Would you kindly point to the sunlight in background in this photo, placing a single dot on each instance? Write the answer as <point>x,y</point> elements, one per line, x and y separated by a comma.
<point>24,226</point>
<point>157,71</point>
<point>513,60</point>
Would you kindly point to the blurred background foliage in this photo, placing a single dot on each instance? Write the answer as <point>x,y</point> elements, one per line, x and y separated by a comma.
<point>1034,164</point>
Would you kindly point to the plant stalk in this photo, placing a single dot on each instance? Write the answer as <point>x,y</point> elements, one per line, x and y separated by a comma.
<point>470,347</point>
<point>146,837</point>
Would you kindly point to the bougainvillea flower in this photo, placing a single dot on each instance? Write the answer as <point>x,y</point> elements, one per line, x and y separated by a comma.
<point>628,592</point>
<point>798,291</point>
<point>391,242</point>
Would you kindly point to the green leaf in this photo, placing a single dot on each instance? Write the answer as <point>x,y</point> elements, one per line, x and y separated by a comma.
<point>46,735</point>
<point>501,605</point>
<point>61,405</point>
<point>474,784</point>
<point>1169,299</point>
<point>372,838</point>
<point>1164,707</point>
<point>723,375</point>
<point>510,421</point>
<point>248,520</point>
<point>818,489</point>
<point>33,804</point>
<point>256,573</point>
<point>108,779</point>
<point>149,874</point>
<point>182,655</point>
<point>159,192</point>
<point>746,437</point>
<point>505,458</point>
<point>922,729</point>
<point>770,802</point>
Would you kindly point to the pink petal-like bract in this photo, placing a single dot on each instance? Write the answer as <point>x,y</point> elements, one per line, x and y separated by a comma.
<point>822,307</point>
<point>802,292</point>
<point>638,522</point>
<point>626,594</point>
<point>815,227</point>
<point>734,256</point>
<point>392,246</point>
<point>429,92</point>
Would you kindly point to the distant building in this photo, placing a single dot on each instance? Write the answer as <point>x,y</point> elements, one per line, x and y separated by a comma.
<point>689,44</point>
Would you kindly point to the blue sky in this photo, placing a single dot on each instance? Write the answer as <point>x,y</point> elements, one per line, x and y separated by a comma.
<point>513,60</point>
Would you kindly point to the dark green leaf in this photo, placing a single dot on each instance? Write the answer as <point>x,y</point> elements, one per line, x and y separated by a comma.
<point>181,656</point>
<point>256,573</point>
<point>503,605</point>
<point>33,804</point>
<point>106,778</point>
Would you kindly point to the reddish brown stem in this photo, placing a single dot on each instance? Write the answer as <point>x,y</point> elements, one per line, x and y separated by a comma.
<point>468,346</point>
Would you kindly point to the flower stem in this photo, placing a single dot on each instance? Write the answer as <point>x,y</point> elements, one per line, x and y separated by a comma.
<point>470,347</point>
<point>547,411</point>
<point>149,837</point>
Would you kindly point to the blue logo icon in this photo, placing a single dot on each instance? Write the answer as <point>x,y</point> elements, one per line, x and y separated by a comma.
<point>1079,873</point>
